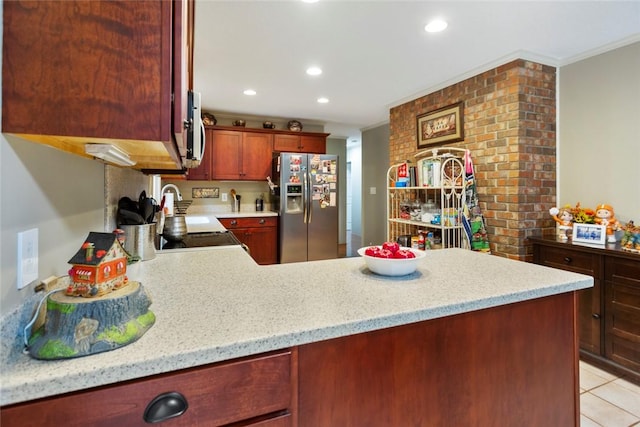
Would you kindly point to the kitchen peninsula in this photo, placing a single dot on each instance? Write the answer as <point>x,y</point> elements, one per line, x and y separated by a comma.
<point>468,339</point>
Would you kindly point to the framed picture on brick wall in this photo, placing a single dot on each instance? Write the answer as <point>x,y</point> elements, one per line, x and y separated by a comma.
<point>441,126</point>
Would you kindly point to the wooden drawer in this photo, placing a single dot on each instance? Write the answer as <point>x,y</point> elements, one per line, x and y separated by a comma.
<point>249,222</point>
<point>570,260</point>
<point>278,421</point>
<point>216,395</point>
<point>623,270</point>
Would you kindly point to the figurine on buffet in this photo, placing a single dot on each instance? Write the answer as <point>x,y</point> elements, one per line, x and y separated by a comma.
<point>564,217</point>
<point>631,239</point>
<point>606,217</point>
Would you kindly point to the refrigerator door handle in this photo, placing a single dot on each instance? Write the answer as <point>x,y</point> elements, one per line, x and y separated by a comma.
<point>305,196</point>
<point>309,201</point>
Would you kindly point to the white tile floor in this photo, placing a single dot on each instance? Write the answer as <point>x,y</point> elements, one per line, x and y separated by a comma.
<point>607,400</point>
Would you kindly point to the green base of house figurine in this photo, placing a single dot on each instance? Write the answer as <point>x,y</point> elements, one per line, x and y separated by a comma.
<point>77,327</point>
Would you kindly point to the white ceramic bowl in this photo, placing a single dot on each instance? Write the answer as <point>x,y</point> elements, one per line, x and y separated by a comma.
<point>392,266</point>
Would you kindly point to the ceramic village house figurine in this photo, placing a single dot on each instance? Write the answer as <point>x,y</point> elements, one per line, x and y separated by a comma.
<point>98,267</point>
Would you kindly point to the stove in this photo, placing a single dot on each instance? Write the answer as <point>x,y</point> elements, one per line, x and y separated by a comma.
<point>199,240</point>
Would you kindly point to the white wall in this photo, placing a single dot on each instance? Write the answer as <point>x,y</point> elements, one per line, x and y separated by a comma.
<point>60,194</point>
<point>375,162</point>
<point>354,155</point>
<point>599,132</point>
<point>338,146</point>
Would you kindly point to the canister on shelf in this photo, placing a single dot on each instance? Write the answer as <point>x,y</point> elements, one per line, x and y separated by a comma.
<point>415,242</point>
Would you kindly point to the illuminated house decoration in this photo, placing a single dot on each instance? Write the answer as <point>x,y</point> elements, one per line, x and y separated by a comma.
<point>99,266</point>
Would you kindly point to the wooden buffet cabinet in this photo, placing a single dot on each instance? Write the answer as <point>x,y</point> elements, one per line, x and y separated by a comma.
<point>608,313</point>
<point>245,154</point>
<point>468,369</point>
<point>260,234</point>
<point>83,71</point>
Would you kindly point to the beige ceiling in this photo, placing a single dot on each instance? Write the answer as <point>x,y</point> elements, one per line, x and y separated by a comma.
<point>376,54</point>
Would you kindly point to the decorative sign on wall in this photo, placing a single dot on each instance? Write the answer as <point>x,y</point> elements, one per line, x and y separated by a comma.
<point>205,193</point>
<point>441,126</point>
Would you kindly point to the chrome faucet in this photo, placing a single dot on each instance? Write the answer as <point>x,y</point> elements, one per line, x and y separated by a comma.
<point>169,186</point>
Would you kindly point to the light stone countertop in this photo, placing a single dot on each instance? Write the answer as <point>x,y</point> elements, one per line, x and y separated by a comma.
<point>215,304</point>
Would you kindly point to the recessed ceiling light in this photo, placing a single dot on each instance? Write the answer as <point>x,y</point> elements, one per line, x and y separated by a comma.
<point>314,71</point>
<point>249,92</point>
<point>310,1</point>
<point>435,26</point>
<point>323,100</point>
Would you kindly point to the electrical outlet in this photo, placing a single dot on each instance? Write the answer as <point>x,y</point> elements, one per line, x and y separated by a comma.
<point>372,190</point>
<point>224,197</point>
<point>27,257</point>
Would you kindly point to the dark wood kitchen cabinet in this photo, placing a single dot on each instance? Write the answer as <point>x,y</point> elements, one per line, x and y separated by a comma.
<point>88,71</point>
<point>235,155</point>
<point>256,391</point>
<point>609,313</point>
<point>260,234</point>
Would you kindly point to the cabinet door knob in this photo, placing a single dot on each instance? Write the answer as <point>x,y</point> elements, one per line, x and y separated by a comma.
<point>567,260</point>
<point>262,221</point>
<point>595,315</point>
<point>165,406</point>
<point>234,222</point>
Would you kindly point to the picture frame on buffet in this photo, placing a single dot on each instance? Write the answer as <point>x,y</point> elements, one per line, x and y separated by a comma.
<point>589,233</point>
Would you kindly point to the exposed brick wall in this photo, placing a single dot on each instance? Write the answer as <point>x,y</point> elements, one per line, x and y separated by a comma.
<point>510,128</point>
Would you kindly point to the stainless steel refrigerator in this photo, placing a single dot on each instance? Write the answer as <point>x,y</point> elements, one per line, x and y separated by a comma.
<point>306,198</point>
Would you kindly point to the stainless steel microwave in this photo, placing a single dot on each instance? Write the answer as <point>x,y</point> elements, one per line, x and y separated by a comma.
<point>195,131</point>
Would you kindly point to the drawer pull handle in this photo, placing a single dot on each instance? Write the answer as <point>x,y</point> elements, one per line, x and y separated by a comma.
<point>234,222</point>
<point>262,221</point>
<point>567,260</point>
<point>165,406</point>
<point>595,315</point>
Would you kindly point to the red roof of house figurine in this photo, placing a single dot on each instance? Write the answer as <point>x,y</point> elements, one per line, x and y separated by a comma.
<point>99,267</point>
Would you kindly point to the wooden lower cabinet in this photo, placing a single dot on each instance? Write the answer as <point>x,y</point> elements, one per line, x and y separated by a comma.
<point>513,365</point>
<point>609,313</point>
<point>622,312</point>
<point>257,391</point>
<point>259,234</point>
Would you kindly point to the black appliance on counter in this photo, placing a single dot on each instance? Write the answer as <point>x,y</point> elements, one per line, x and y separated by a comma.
<point>199,240</point>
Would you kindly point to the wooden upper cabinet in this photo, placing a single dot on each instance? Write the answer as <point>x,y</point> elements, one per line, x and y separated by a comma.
<point>313,144</point>
<point>257,149</point>
<point>245,154</point>
<point>300,143</point>
<point>84,71</point>
<point>226,152</point>
<point>286,143</point>
<point>238,155</point>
